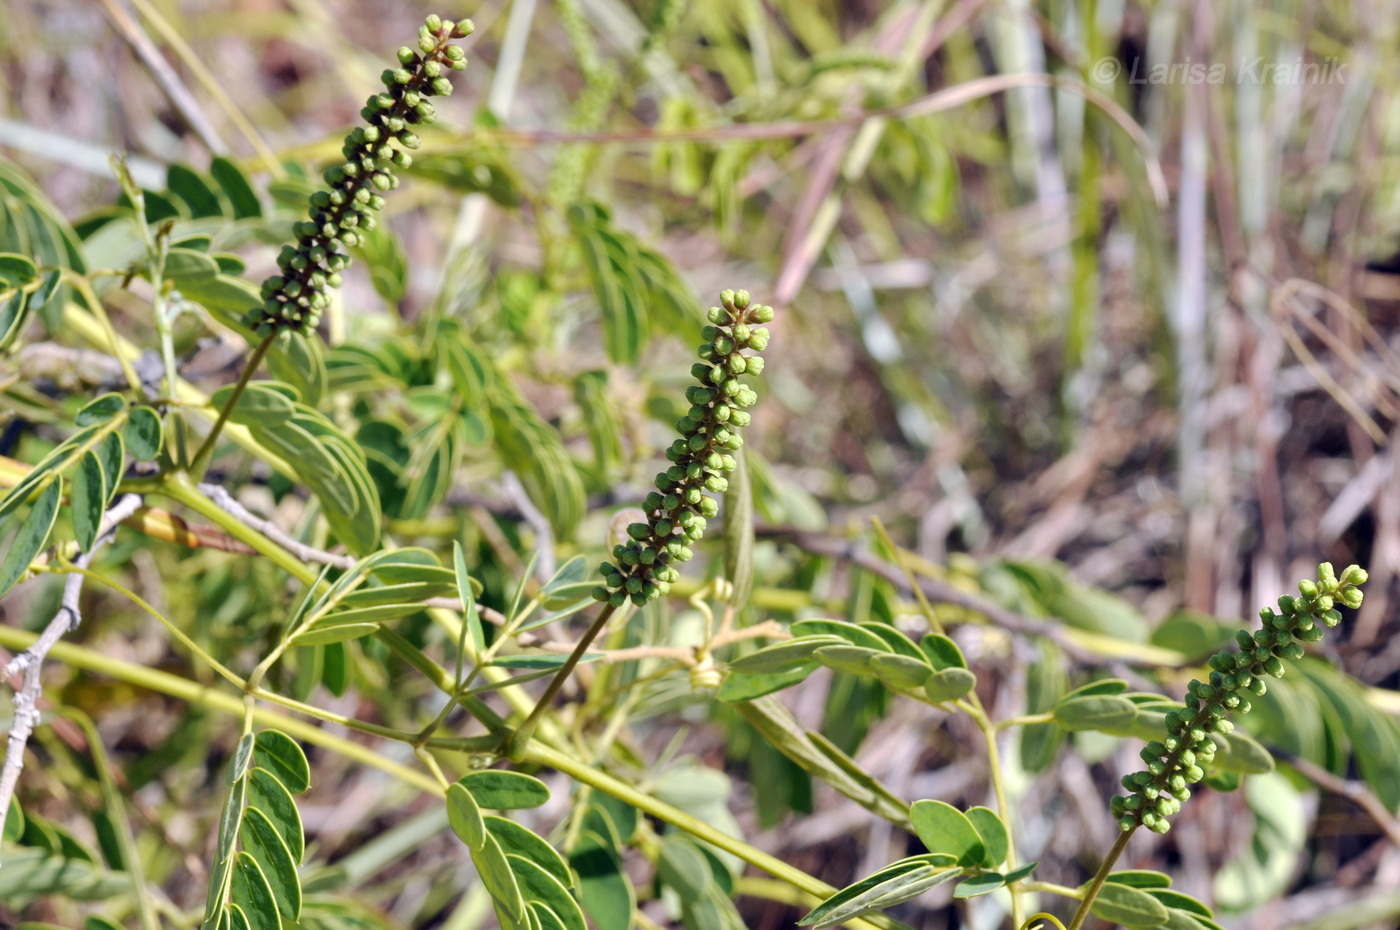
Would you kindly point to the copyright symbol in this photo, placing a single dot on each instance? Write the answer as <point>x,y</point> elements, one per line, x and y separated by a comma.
<point>1106,70</point>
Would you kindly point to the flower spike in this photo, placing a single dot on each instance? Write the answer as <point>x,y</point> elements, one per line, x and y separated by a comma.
<point>709,432</point>
<point>294,298</point>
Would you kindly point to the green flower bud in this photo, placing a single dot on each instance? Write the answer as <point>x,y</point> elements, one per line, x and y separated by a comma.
<point>601,593</point>
<point>1351,575</point>
<point>763,314</point>
<point>407,56</point>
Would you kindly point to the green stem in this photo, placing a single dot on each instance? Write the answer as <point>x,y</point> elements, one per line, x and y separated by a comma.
<point>595,777</point>
<point>116,812</point>
<point>1063,891</point>
<point>973,708</point>
<point>195,693</point>
<point>99,312</point>
<point>518,740</point>
<point>979,717</point>
<point>166,622</point>
<point>179,488</point>
<point>201,458</point>
<point>1027,721</point>
<point>1096,885</point>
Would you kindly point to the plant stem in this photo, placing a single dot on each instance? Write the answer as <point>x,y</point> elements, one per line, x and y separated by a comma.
<point>1096,885</point>
<point>1026,721</point>
<point>88,328</point>
<point>166,622</point>
<point>973,708</point>
<point>201,458</point>
<point>195,693</point>
<point>115,803</point>
<point>99,312</point>
<point>517,741</point>
<point>179,488</point>
<point>979,716</point>
<point>594,776</point>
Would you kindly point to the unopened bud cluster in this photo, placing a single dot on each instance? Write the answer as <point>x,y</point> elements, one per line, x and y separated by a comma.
<point>1176,762</point>
<point>294,297</point>
<point>678,508</point>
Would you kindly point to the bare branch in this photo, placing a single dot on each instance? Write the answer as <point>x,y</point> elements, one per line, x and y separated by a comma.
<point>29,663</point>
<point>227,503</point>
<point>272,531</point>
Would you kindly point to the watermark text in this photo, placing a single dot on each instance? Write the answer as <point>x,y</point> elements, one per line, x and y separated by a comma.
<point>1244,70</point>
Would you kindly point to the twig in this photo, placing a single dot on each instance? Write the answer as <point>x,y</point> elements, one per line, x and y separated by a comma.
<point>936,591</point>
<point>227,503</point>
<point>29,662</point>
<point>544,534</point>
<point>1353,791</point>
<point>685,655</point>
<point>272,531</point>
<point>165,76</point>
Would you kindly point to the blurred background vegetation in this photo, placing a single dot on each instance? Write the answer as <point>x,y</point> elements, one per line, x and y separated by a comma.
<point>1057,319</point>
